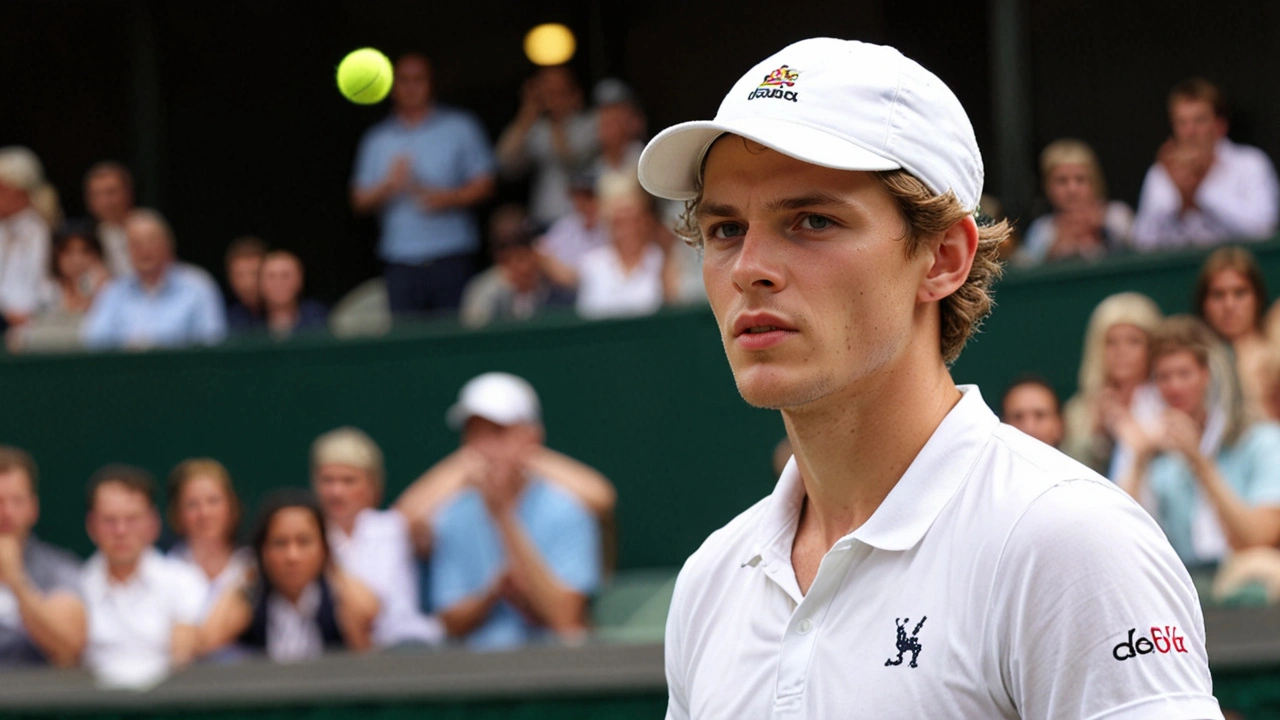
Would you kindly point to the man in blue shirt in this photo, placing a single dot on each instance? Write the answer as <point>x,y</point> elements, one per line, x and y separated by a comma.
<point>164,303</point>
<point>514,557</point>
<point>422,170</point>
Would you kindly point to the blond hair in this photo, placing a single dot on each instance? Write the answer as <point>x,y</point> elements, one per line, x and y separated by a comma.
<point>349,446</point>
<point>1127,308</point>
<point>925,214</point>
<point>1069,151</point>
<point>20,168</point>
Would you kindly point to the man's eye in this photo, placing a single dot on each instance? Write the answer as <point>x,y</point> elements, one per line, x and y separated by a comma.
<point>815,222</point>
<point>724,231</point>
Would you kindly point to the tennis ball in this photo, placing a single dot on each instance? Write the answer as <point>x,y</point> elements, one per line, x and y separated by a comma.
<point>364,76</point>
<point>549,44</point>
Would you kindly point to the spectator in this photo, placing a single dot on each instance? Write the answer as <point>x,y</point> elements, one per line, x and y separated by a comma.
<point>76,275</point>
<point>162,303</point>
<point>284,309</point>
<point>299,604</point>
<point>142,606</point>
<point>1114,384</point>
<point>515,288</point>
<point>26,202</point>
<point>244,267</point>
<point>515,558</point>
<point>497,398</point>
<point>553,134</point>
<point>204,512</point>
<point>1083,223</point>
<point>629,276</point>
<point>422,170</point>
<point>1231,297</point>
<point>373,545</point>
<point>1203,188</point>
<point>108,192</point>
<point>620,129</point>
<point>1215,477</point>
<point>41,616</point>
<point>572,236</point>
<point>1031,405</point>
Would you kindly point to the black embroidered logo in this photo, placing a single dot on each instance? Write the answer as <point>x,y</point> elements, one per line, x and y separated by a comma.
<point>907,644</point>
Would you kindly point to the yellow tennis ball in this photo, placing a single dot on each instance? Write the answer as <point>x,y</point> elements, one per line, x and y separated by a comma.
<point>549,44</point>
<point>364,76</point>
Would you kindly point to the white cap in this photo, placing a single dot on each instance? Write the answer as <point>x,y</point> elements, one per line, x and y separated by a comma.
<point>841,104</point>
<point>498,397</point>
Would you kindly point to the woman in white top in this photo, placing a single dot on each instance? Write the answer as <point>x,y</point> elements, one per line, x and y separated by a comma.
<point>1114,383</point>
<point>1083,223</point>
<point>630,276</point>
<point>204,511</point>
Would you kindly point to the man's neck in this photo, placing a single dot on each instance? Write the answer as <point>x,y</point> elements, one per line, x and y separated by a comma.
<point>152,282</point>
<point>853,447</point>
<point>282,316</point>
<point>413,116</point>
<point>119,574</point>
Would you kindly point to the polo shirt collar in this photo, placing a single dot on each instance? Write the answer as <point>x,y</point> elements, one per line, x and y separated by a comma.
<point>915,501</point>
<point>149,573</point>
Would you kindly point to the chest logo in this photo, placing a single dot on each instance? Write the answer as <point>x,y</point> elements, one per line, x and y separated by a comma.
<point>907,643</point>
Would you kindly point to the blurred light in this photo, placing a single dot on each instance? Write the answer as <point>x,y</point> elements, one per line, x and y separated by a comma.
<point>549,44</point>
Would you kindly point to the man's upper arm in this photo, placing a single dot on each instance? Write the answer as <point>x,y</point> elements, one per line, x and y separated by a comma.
<point>367,171</point>
<point>1094,616</point>
<point>451,558</point>
<point>574,551</point>
<point>1158,207</point>
<point>101,318</point>
<point>477,153</point>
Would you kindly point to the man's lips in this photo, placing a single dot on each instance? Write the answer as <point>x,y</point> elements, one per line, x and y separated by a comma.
<point>757,331</point>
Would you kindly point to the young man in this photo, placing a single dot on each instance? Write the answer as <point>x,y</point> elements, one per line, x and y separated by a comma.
<point>917,557</point>
<point>1031,405</point>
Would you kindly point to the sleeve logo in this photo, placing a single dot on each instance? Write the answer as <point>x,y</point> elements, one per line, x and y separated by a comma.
<point>1163,640</point>
<point>773,84</point>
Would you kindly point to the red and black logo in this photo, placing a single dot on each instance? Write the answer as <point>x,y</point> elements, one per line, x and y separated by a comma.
<point>1163,640</point>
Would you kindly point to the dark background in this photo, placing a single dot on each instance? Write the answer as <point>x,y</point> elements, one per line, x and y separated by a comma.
<point>228,113</point>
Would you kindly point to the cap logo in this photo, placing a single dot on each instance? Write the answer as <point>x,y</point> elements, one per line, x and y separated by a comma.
<point>774,82</point>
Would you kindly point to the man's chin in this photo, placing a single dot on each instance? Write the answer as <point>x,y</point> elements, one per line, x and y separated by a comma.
<point>772,388</point>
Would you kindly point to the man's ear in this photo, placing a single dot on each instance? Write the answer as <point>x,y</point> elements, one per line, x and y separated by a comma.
<point>952,256</point>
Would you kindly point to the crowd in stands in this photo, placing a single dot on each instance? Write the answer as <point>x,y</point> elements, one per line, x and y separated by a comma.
<point>497,545</point>
<point>1181,413</point>
<point>591,240</point>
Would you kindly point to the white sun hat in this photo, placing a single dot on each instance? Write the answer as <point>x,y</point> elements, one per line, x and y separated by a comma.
<point>841,104</point>
<point>498,397</point>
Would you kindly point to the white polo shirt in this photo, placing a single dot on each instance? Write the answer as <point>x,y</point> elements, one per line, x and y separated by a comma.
<point>131,623</point>
<point>998,579</point>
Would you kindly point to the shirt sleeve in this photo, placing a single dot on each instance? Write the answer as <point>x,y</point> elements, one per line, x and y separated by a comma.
<point>1243,202</point>
<point>1264,466</point>
<point>187,594</point>
<point>22,294</point>
<point>476,153</point>
<point>100,323</point>
<point>451,558</point>
<point>1156,224</point>
<point>211,315</point>
<point>1095,617</point>
<point>574,551</point>
<point>368,171</point>
<point>673,652</point>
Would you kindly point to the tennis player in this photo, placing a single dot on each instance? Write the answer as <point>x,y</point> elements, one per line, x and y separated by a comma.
<point>917,559</point>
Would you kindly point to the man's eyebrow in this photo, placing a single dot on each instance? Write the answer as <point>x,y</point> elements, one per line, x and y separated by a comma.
<point>812,199</point>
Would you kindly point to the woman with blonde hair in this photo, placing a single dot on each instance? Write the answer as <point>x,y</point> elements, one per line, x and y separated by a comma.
<point>1213,474</point>
<point>1113,383</point>
<point>1083,224</point>
<point>28,208</point>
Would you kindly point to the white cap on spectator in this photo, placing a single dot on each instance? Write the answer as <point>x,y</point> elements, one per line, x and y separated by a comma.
<point>498,397</point>
<point>841,104</point>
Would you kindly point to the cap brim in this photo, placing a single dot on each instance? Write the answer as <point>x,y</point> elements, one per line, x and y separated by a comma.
<point>670,162</point>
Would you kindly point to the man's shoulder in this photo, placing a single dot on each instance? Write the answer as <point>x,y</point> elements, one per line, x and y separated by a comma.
<point>554,502</point>
<point>1247,154</point>
<point>1019,470</point>
<point>726,548</point>
<point>51,564</point>
<point>381,525</point>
